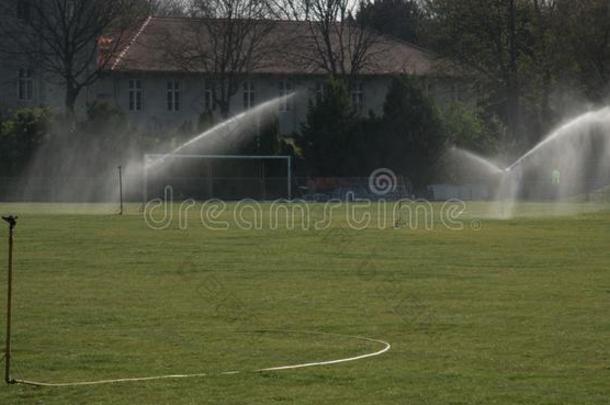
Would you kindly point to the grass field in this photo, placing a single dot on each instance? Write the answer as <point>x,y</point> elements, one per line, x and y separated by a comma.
<point>513,311</point>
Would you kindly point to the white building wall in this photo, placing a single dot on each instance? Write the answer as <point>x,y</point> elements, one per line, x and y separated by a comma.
<point>48,91</point>
<point>155,115</point>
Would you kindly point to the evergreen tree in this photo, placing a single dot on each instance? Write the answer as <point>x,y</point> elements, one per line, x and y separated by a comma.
<point>20,136</point>
<point>326,139</point>
<point>412,136</point>
<point>408,139</point>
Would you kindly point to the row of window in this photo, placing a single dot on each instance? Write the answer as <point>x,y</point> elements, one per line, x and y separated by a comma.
<point>173,96</point>
<point>285,88</point>
<point>26,93</point>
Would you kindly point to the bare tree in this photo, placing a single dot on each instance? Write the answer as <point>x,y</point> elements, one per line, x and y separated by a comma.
<point>165,8</point>
<point>227,40</point>
<point>336,42</point>
<point>585,29</point>
<point>486,39</point>
<point>69,42</point>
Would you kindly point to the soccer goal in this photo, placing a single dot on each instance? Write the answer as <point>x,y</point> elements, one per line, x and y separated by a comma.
<point>224,177</point>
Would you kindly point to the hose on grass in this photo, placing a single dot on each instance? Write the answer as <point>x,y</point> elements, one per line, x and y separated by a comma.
<point>386,347</point>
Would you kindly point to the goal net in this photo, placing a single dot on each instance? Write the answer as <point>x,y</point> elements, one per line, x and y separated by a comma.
<point>224,177</point>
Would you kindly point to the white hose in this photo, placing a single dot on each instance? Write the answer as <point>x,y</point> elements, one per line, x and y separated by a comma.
<point>386,347</point>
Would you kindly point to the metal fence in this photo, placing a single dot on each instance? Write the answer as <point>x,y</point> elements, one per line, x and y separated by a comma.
<point>137,189</point>
<point>106,189</point>
<point>222,188</point>
<point>313,189</point>
<point>63,189</point>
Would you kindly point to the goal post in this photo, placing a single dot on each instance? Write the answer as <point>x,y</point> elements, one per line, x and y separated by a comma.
<point>234,170</point>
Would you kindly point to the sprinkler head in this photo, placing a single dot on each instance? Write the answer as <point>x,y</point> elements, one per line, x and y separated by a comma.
<point>11,220</point>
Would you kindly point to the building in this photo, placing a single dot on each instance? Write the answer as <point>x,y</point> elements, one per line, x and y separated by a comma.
<point>23,82</point>
<point>149,81</point>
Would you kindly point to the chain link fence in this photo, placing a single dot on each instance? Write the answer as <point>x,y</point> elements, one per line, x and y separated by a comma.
<point>105,189</point>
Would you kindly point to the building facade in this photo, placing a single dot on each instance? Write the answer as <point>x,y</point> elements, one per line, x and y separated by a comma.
<point>23,82</point>
<point>157,94</point>
<point>159,101</point>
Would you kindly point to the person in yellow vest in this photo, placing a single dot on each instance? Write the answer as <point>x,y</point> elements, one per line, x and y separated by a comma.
<point>556,177</point>
<point>555,181</point>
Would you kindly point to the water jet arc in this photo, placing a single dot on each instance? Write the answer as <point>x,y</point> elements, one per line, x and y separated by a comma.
<point>477,159</point>
<point>262,109</point>
<point>589,117</point>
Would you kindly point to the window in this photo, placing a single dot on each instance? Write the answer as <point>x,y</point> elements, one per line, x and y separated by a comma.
<point>26,85</point>
<point>23,10</point>
<point>173,95</point>
<point>358,96</point>
<point>248,95</point>
<point>208,96</point>
<point>320,91</point>
<point>286,88</point>
<point>135,95</point>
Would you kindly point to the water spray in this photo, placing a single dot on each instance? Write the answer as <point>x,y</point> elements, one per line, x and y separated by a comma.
<point>12,222</point>
<point>230,125</point>
<point>478,160</point>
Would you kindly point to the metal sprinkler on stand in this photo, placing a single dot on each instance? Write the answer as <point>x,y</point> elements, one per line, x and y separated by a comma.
<point>120,189</point>
<point>12,222</point>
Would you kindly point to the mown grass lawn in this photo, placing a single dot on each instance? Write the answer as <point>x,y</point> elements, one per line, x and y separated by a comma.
<point>511,311</point>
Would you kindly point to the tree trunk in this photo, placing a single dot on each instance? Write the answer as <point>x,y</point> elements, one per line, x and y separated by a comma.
<point>547,114</point>
<point>514,115</point>
<point>71,96</point>
<point>225,109</point>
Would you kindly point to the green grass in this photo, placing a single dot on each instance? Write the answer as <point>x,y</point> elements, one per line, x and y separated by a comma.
<point>517,311</point>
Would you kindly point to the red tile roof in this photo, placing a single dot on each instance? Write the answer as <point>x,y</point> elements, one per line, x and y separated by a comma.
<point>288,49</point>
